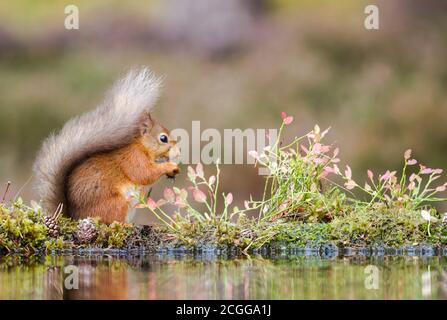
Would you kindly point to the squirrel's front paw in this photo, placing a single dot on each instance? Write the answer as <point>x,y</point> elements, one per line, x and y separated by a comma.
<point>172,170</point>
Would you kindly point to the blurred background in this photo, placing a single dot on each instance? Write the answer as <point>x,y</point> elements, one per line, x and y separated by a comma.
<point>233,64</point>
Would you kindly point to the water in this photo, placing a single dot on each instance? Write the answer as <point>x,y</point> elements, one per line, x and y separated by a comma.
<point>211,277</point>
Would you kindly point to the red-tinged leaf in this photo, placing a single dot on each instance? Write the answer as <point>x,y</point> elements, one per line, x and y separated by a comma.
<point>348,172</point>
<point>229,198</point>
<point>199,170</point>
<point>151,204</point>
<point>350,184</point>
<point>199,196</point>
<point>169,195</point>
<point>288,120</point>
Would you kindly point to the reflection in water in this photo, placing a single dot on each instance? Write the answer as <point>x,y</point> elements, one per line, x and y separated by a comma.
<point>186,277</point>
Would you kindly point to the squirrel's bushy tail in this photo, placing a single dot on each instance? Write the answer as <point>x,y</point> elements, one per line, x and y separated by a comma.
<point>111,125</point>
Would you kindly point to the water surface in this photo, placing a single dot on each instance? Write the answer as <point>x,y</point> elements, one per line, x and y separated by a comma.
<point>212,277</point>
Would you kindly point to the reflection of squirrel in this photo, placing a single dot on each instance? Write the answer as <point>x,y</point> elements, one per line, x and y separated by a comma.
<point>93,162</point>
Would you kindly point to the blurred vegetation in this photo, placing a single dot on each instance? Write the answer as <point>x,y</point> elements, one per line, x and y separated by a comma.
<point>382,92</point>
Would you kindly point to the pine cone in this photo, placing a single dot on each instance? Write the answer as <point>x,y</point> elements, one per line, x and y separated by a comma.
<point>86,232</point>
<point>51,222</point>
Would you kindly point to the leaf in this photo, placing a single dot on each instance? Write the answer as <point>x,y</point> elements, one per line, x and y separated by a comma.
<point>169,195</point>
<point>348,172</point>
<point>407,154</point>
<point>229,198</point>
<point>191,174</point>
<point>199,196</point>
<point>199,170</point>
<point>211,180</point>
<point>254,154</point>
<point>151,204</point>
<point>288,120</point>
<point>350,184</point>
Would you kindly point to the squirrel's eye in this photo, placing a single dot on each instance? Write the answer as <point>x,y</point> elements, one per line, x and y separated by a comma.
<point>164,138</point>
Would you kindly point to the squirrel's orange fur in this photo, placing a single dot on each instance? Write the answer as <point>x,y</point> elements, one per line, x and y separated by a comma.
<point>96,188</point>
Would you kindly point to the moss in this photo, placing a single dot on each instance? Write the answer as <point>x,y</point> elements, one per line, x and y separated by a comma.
<point>20,228</point>
<point>301,234</point>
<point>114,235</point>
<point>22,231</point>
<point>55,243</point>
<point>391,227</point>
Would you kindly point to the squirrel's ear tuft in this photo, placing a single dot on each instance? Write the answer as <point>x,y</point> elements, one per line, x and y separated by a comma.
<point>146,124</point>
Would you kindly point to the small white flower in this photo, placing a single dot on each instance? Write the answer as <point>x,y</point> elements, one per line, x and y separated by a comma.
<point>426,215</point>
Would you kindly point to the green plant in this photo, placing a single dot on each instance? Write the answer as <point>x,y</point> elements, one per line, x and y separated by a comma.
<point>410,191</point>
<point>294,187</point>
<point>199,218</point>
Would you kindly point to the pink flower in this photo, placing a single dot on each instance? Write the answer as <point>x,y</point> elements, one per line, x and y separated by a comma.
<point>199,196</point>
<point>169,195</point>
<point>441,188</point>
<point>211,180</point>
<point>407,154</point>
<point>370,174</point>
<point>412,162</point>
<point>246,205</point>
<point>229,198</point>
<point>286,119</point>
<point>348,172</point>
<point>151,204</point>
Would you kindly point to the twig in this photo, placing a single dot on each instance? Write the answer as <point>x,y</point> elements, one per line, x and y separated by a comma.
<point>22,187</point>
<point>8,185</point>
<point>58,211</point>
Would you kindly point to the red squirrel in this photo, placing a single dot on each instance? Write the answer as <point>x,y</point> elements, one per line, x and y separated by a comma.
<point>89,166</point>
